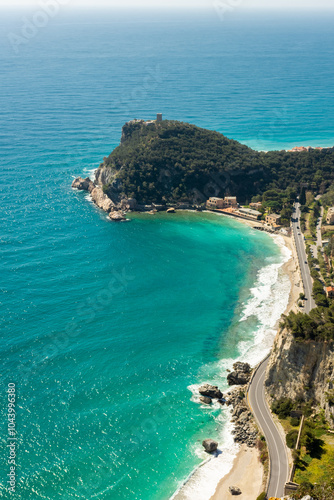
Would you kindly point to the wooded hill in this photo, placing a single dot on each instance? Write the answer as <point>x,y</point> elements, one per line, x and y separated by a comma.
<point>172,161</point>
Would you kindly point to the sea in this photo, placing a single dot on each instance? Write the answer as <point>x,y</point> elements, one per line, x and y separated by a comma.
<point>107,330</point>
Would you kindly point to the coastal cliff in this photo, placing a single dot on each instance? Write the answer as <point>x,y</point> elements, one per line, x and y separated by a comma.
<point>302,371</point>
<point>101,199</point>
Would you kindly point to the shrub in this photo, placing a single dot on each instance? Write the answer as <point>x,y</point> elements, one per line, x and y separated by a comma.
<point>291,438</point>
<point>330,397</point>
<point>295,421</point>
<point>263,496</point>
<point>318,325</point>
<point>282,407</point>
<point>296,457</point>
<point>307,409</point>
<point>262,447</point>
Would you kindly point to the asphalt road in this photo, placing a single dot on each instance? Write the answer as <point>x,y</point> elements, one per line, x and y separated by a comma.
<point>279,470</point>
<point>301,252</point>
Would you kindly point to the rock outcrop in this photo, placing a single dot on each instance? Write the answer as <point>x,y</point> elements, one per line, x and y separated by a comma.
<point>302,371</point>
<point>117,216</point>
<point>104,176</point>
<point>210,445</point>
<point>245,431</point>
<point>210,391</point>
<point>83,184</point>
<point>234,490</point>
<point>110,203</point>
<point>102,200</point>
<point>241,374</point>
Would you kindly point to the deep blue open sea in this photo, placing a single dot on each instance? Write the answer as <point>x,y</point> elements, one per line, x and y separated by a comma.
<point>107,329</point>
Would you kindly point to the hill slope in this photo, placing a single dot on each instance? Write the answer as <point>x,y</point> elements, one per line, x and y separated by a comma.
<point>173,161</point>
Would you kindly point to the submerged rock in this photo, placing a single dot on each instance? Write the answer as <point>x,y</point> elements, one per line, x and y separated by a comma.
<point>210,445</point>
<point>205,400</point>
<point>210,391</point>
<point>83,184</point>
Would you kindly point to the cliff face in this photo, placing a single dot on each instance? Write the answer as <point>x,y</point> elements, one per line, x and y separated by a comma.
<point>302,371</point>
<point>104,176</point>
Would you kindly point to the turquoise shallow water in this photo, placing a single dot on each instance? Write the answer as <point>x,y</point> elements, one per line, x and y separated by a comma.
<point>113,325</point>
<point>107,329</point>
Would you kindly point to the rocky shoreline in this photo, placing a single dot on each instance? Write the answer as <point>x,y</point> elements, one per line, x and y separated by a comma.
<point>115,210</point>
<point>245,430</point>
<point>116,205</point>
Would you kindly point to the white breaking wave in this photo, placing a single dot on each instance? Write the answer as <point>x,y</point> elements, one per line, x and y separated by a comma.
<point>90,172</point>
<point>268,301</point>
<point>202,483</point>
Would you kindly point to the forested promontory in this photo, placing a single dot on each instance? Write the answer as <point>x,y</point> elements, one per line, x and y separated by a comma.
<point>170,161</point>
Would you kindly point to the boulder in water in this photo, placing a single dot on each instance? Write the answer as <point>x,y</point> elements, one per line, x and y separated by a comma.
<point>240,375</point>
<point>205,400</point>
<point>210,391</point>
<point>210,445</point>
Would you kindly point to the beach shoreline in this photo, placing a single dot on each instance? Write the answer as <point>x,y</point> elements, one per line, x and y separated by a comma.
<point>246,470</point>
<point>247,474</point>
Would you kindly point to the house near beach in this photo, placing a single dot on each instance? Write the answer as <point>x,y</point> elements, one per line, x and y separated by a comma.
<point>256,205</point>
<point>330,216</point>
<point>231,202</point>
<point>273,219</point>
<point>215,203</point>
<point>249,213</point>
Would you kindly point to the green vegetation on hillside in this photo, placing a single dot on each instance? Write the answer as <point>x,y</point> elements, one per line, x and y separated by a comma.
<point>315,466</point>
<point>318,325</point>
<point>278,201</point>
<point>315,457</point>
<point>328,198</point>
<point>173,161</point>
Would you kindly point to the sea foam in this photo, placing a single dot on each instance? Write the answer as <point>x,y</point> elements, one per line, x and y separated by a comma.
<point>267,302</point>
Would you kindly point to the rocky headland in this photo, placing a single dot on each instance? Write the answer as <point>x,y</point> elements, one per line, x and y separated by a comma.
<point>115,209</point>
<point>167,162</point>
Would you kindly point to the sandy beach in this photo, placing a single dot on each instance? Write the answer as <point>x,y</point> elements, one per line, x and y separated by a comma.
<point>247,474</point>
